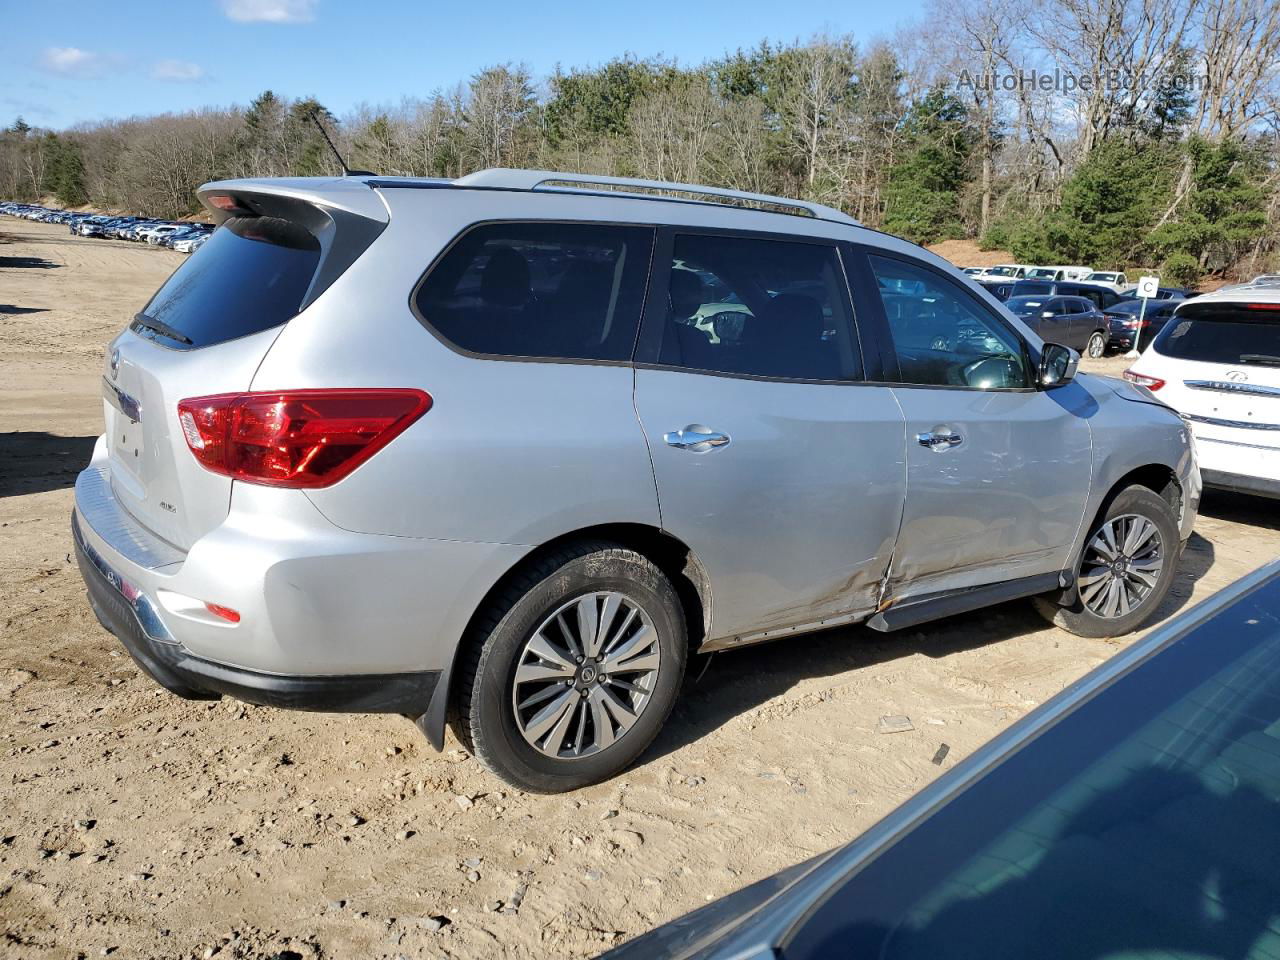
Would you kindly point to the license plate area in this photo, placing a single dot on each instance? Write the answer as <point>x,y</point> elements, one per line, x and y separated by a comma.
<point>125,426</point>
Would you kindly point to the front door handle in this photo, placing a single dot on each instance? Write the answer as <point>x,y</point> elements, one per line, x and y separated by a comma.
<point>940,440</point>
<point>696,438</point>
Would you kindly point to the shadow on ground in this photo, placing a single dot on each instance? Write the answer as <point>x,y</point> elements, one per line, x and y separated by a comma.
<point>38,462</point>
<point>741,680</point>
<point>27,262</point>
<point>10,309</point>
<point>1241,508</point>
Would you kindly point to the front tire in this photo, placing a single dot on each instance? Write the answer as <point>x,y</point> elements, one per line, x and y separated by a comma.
<point>572,670</point>
<point>1125,569</point>
<point>1097,346</point>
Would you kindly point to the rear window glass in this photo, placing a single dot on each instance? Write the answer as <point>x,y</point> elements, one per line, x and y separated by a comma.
<point>249,276</point>
<point>1025,305</point>
<point>1227,337</point>
<point>550,290</point>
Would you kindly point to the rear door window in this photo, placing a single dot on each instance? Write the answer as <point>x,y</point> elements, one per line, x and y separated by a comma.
<point>249,276</point>
<point>769,308</point>
<point>569,291</point>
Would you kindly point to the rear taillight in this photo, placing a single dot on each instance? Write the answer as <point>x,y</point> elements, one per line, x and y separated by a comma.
<point>296,438</point>
<point>1262,306</point>
<point>1151,383</point>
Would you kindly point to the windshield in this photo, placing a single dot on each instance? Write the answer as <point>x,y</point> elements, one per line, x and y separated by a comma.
<point>1223,335</point>
<point>1025,306</point>
<point>1104,277</point>
<point>1043,272</point>
<point>1004,271</point>
<point>1144,825</point>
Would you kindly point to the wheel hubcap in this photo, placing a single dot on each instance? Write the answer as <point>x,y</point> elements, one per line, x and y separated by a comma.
<point>1121,567</point>
<point>585,675</point>
<point>1096,346</point>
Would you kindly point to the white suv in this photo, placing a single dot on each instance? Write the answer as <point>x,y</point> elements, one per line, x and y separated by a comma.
<point>1217,362</point>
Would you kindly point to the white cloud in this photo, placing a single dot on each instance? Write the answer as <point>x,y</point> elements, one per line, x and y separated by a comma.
<point>68,60</point>
<point>177,71</point>
<point>270,11</point>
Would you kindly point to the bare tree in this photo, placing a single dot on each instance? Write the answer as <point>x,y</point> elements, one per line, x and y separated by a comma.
<point>498,106</point>
<point>814,82</point>
<point>1240,47</point>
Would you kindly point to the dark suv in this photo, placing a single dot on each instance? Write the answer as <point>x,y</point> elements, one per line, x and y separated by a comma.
<point>1073,321</point>
<point>1100,296</point>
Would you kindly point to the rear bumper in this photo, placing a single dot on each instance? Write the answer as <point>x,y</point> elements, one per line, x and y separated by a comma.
<point>174,668</point>
<point>1241,483</point>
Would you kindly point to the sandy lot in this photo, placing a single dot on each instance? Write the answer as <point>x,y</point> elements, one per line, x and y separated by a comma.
<point>134,824</point>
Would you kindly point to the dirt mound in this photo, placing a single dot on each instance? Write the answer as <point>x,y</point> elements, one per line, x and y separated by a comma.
<point>965,253</point>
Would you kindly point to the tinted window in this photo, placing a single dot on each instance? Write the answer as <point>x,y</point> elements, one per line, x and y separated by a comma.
<point>765,307</point>
<point>1128,307</point>
<point>1223,336</point>
<point>942,337</point>
<point>1145,824</point>
<point>250,276</point>
<point>1077,305</point>
<point>1027,306</point>
<point>1027,288</point>
<point>561,290</point>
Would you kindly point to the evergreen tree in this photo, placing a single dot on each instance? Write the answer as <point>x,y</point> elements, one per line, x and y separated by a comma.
<point>64,171</point>
<point>923,195</point>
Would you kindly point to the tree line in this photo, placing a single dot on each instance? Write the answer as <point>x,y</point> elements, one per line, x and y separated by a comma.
<point>1107,132</point>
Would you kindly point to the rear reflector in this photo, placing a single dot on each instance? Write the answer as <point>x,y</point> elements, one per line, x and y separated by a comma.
<point>300,439</point>
<point>226,613</point>
<point>1151,383</point>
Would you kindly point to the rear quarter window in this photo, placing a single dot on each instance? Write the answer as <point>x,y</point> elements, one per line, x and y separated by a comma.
<point>568,291</point>
<point>249,276</point>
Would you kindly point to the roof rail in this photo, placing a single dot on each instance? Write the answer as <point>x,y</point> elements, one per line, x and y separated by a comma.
<point>506,179</point>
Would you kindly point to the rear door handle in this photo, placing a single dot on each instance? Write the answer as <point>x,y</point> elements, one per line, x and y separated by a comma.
<point>696,438</point>
<point>939,441</point>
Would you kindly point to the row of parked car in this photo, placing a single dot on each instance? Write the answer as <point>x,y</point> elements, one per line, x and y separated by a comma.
<point>175,234</point>
<point>1044,295</point>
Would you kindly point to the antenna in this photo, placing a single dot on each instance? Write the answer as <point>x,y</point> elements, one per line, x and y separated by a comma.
<point>346,171</point>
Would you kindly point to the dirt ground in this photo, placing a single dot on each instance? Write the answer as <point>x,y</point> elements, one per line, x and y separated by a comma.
<point>135,824</point>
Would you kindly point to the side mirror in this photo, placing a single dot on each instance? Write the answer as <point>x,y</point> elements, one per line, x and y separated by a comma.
<point>1057,365</point>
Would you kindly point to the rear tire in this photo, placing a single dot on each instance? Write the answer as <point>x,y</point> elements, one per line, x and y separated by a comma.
<point>1097,345</point>
<point>1125,568</point>
<point>571,671</point>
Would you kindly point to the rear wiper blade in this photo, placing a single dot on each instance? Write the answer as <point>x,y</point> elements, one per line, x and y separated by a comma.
<point>162,328</point>
<point>1264,358</point>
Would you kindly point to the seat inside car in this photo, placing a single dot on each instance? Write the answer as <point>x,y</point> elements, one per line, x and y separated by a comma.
<point>790,334</point>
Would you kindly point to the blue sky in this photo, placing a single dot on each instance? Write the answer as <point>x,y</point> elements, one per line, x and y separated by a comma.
<point>70,61</point>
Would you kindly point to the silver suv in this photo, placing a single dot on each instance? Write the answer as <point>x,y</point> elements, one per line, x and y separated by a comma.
<point>503,452</point>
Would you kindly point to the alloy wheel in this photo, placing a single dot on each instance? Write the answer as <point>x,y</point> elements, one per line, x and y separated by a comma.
<point>1122,566</point>
<point>1097,346</point>
<point>585,675</point>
